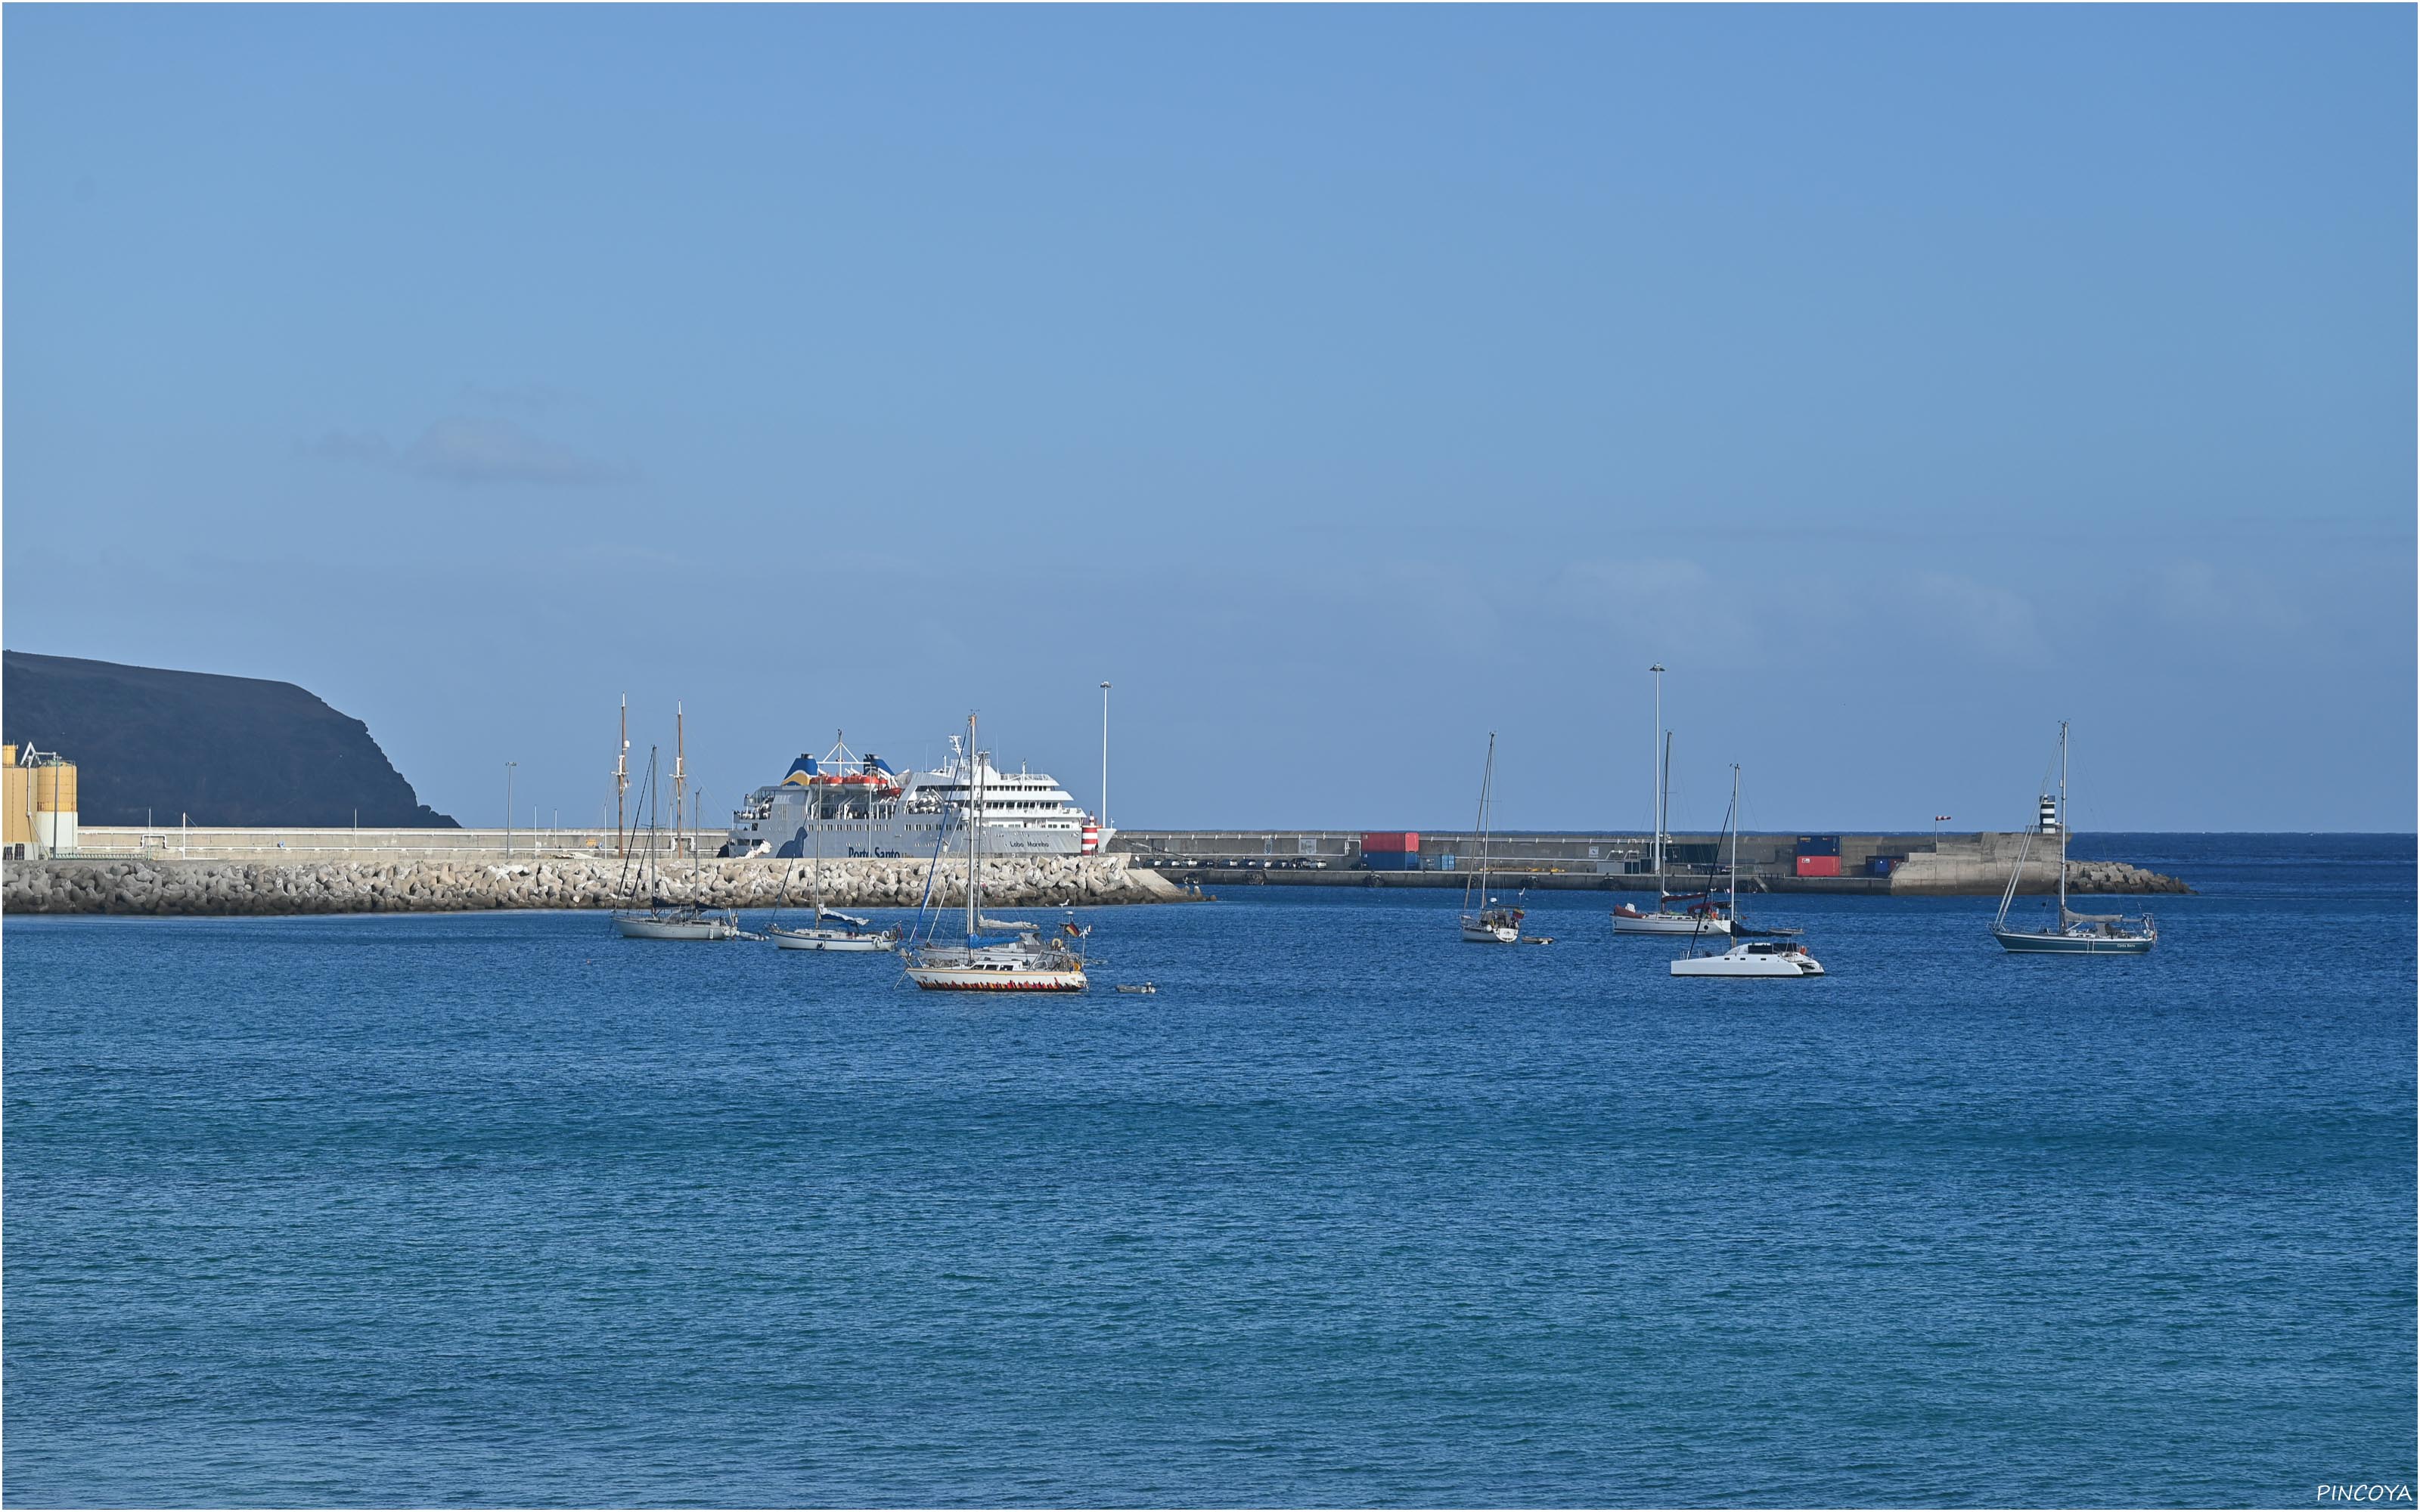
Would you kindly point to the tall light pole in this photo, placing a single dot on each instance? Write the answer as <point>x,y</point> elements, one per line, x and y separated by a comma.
<point>1105,764</point>
<point>508,808</point>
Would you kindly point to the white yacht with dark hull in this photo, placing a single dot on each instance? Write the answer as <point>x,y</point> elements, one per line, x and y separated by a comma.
<point>853,806</point>
<point>2069,933</point>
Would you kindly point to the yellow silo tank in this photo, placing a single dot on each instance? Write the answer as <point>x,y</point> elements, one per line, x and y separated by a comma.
<point>55,788</point>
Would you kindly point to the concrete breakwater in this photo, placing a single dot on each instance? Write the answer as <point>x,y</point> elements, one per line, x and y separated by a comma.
<point>1967,865</point>
<point>204,888</point>
<point>1953,874</point>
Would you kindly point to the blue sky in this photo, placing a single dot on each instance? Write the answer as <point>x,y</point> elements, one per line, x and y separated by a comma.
<point>1343,383</point>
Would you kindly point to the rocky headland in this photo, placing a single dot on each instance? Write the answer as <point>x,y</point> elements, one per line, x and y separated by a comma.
<point>154,746</point>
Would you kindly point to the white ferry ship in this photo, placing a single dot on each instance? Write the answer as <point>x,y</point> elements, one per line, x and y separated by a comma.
<point>859,806</point>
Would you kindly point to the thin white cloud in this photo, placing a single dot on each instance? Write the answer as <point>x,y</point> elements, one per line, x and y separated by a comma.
<point>526,398</point>
<point>1659,603</point>
<point>1994,620</point>
<point>348,446</point>
<point>467,450</point>
<point>2195,595</point>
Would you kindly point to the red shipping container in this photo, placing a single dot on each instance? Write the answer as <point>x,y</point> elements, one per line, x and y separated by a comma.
<point>1391,842</point>
<point>1818,865</point>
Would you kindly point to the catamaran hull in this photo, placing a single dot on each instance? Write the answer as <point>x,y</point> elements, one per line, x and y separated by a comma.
<point>804,940</point>
<point>995,980</point>
<point>1668,924</point>
<point>2020,942</point>
<point>1793,963</point>
<point>1724,965</point>
<point>666,929</point>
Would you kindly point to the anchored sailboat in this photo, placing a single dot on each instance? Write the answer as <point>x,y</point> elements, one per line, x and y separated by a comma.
<point>1766,957</point>
<point>661,919</point>
<point>2074,934</point>
<point>1491,924</point>
<point>1700,914</point>
<point>1015,957</point>
<point>831,930</point>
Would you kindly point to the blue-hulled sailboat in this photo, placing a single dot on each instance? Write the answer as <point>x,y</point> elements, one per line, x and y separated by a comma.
<point>2072,934</point>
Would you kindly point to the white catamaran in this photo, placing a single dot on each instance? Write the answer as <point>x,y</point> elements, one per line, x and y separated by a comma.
<point>1491,924</point>
<point>1014,957</point>
<point>1766,957</point>
<point>1702,914</point>
<point>2073,934</point>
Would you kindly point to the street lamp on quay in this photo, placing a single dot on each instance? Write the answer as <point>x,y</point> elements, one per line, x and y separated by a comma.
<point>508,808</point>
<point>1105,763</point>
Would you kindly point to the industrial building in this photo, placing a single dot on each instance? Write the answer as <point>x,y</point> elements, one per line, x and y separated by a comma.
<point>39,792</point>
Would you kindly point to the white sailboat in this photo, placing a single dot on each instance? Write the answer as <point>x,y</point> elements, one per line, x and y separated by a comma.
<point>662,920</point>
<point>1699,914</point>
<point>845,932</point>
<point>1017,957</point>
<point>1750,958</point>
<point>1489,923</point>
<point>2073,934</point>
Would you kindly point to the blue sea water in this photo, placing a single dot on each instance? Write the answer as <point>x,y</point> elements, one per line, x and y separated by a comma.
<point>501,1209</point>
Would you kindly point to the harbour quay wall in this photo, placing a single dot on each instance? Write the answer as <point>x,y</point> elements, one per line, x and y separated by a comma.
<point>128,886</point>
<point>197,843</point>
<point>1912,864</point>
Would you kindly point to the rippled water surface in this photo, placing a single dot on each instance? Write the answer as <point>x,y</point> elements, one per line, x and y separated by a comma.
<point>503,1208</point>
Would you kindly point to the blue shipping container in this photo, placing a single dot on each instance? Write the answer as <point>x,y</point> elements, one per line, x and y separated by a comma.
<point>1818,844</point>
<point>1882,866</point>
<point>1391,860</point>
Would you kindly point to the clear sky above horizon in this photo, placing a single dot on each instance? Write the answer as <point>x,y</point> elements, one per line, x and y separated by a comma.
<point>1343,383</point>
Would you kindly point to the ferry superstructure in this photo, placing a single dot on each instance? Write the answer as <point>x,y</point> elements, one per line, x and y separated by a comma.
<point>861,807</point>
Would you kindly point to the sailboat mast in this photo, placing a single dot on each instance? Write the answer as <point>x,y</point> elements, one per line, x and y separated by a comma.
<point>1663,818</point>
<point>622,780</point>
<point>654,790</point>
<point>2063,824</point>
<point>680,774</point>
<point>1735,817</point>
<point>1486,782</point>
<point>976,826</point>
<point>1655,777</point>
